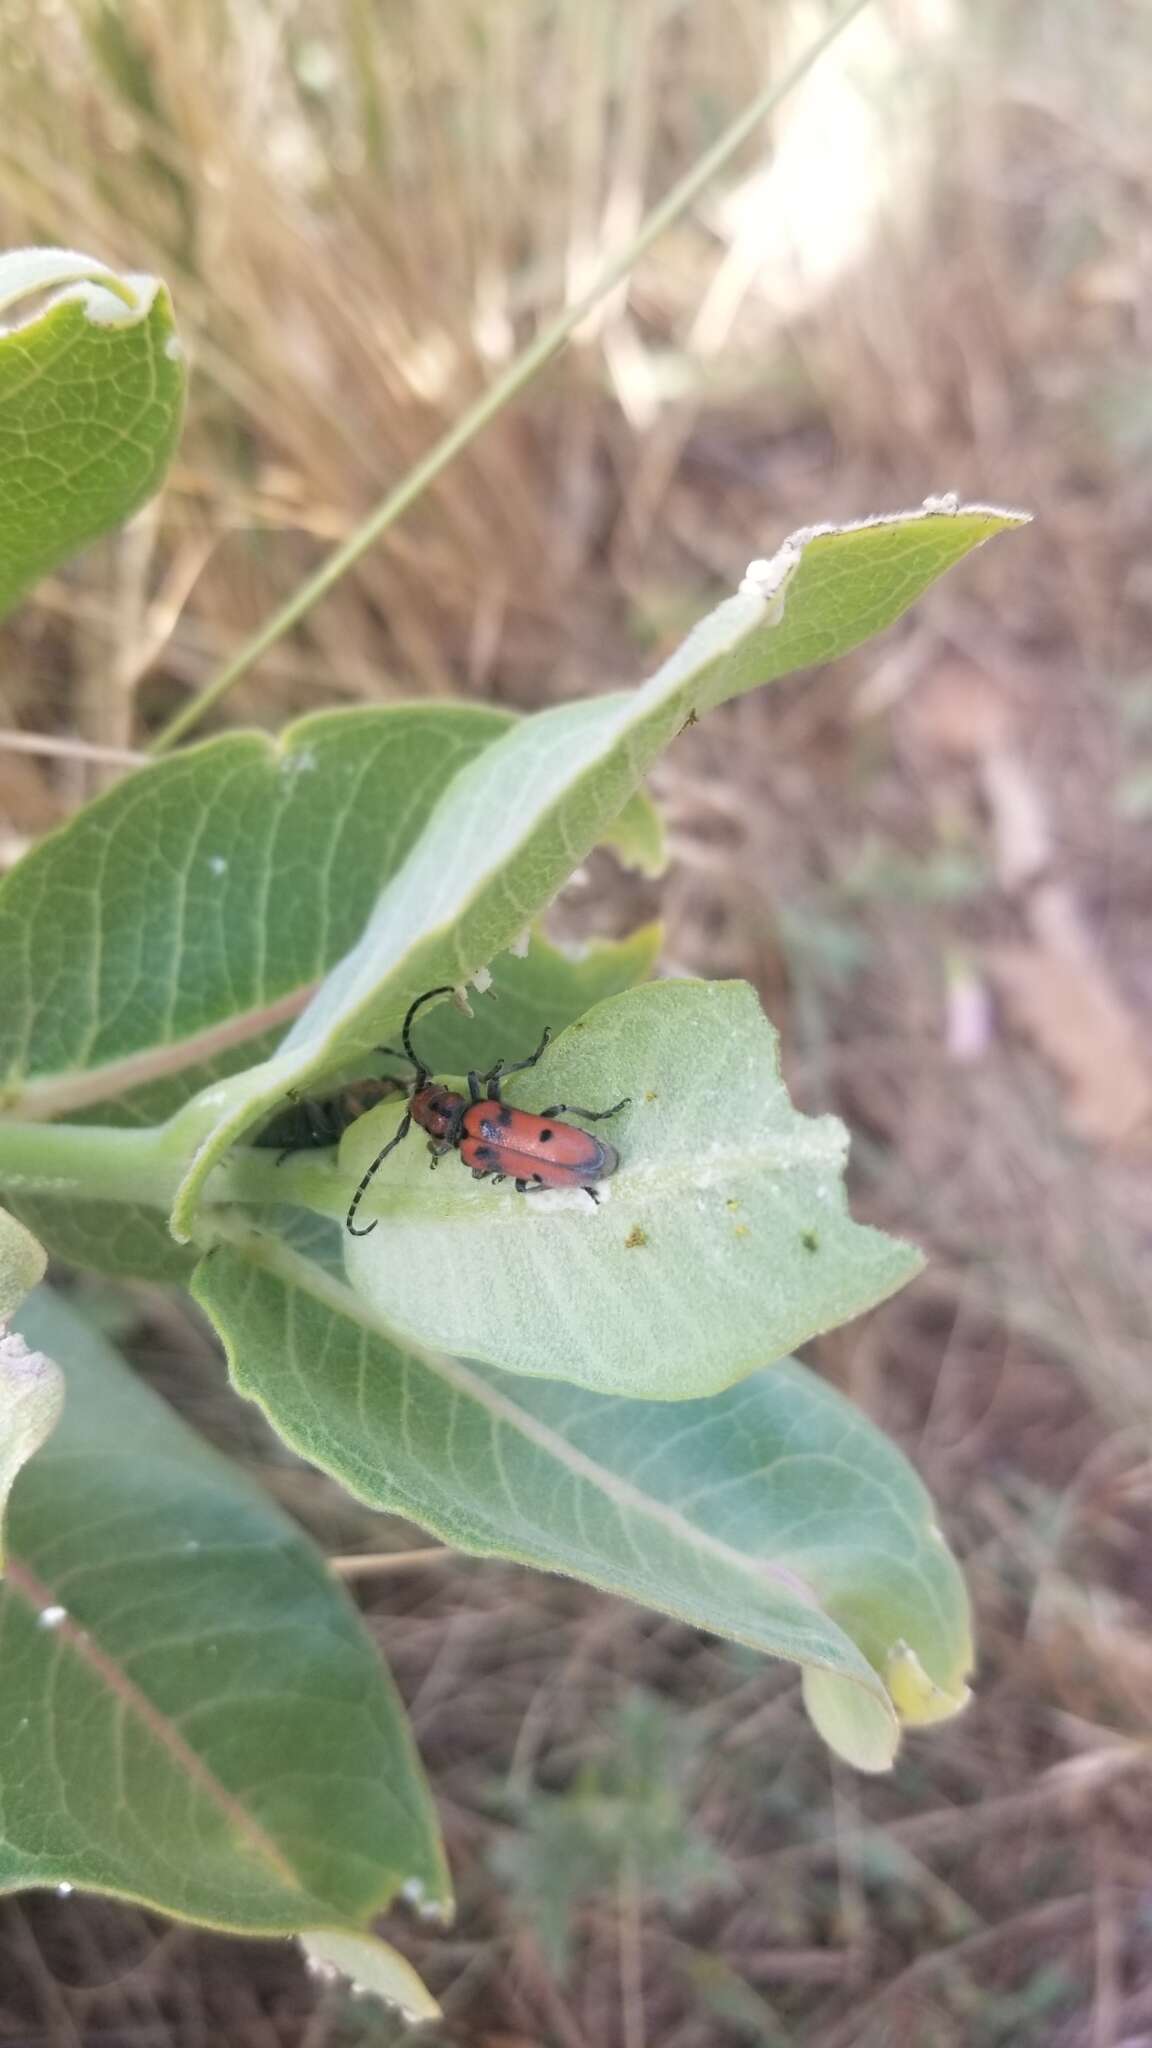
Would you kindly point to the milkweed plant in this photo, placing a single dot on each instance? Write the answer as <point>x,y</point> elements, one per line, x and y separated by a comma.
<point>198,972</point>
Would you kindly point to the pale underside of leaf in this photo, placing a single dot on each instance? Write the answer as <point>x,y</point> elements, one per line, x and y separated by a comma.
<point>720,1243</point>
<point>773,1513</point>
<point>372,1969</point>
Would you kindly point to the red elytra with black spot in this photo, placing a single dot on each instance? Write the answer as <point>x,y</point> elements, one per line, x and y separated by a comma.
<point>536,1148</point>
<point>502,1141</point>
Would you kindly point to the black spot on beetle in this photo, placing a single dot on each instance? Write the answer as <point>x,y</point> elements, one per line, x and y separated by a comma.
<point>483,1155</point>
<point>544,1136</point>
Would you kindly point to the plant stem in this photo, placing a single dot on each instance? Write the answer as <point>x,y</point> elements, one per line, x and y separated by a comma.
<point>98,1163</point>
<point>86,1162</point>
<point>519,374</point>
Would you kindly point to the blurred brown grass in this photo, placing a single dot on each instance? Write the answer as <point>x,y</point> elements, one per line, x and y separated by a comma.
<point>935,862</point>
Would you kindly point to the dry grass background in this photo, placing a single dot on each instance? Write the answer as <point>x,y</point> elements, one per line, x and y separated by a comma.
<point>935,862</point>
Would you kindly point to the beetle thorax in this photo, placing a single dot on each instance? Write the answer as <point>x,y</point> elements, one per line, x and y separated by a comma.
<point>434,1107</point>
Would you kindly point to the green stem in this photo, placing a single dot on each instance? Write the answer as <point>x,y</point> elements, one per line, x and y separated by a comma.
<point>86,1162</point>
<point>519,374</point>
<point>97,1163</point>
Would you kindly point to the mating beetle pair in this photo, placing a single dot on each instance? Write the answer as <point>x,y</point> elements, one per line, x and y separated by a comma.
<point>493,1139</point>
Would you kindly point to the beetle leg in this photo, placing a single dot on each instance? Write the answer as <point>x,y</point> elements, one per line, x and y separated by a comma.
<point>498,1179</point>
<point>474,1091</point>
<point>591,1116</point>
<point>498,1074</point>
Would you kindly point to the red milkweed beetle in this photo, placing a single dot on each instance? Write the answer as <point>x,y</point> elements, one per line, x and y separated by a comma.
<point>491,1137</point>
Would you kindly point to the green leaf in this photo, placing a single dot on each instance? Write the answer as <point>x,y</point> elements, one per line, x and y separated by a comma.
<point>546,987</point>
<point>192,1714</point>
<point>637,837</point>
<point>172,927</point>
<point>511,827</point>
<point>371,1967</point>
<point>91,397</point>
<point>108,1237</point>
<point>774,1513</point>
<point>22,1264</point>
<point>195,905</point>
<point>852,1723</point>
<point>721,1242</point>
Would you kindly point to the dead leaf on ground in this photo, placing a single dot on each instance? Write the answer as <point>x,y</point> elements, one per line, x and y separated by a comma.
<point>958,709</point>
<point>1059,993</point>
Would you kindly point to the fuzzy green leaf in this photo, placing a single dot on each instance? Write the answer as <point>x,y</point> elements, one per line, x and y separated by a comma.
<point>191,1713</point>
<point>370,1967</point>
<point>774,1513</point>
<point>721,1242</point>
<point>91,397</point>
<point>207,894</point>
<point>511,827</point>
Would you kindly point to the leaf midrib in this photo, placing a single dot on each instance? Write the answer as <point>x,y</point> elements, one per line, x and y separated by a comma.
<point>67,1631</point>
<point>53,1095</point>
<point>294,1270</point>
<point>659,1182</point>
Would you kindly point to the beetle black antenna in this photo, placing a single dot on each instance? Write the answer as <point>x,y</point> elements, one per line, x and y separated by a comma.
<point>350,1220</point>
<point>405,1037</point>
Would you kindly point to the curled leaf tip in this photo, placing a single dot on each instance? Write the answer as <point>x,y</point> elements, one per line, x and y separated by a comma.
<point>119,302</point>
<point>768,578</point>
<point>918,1700</point>
<point>371,1968</point>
